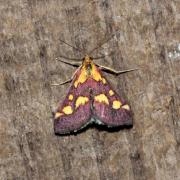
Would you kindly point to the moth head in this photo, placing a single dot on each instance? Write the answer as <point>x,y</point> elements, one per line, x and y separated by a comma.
<point>88,62</point>
<point>87,59</point>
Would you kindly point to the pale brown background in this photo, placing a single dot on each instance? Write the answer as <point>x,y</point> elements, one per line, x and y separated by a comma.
<point>147,37</point>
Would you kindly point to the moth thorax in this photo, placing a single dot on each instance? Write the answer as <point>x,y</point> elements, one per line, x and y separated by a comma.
<point>88,68</point>
<point>87,63</point>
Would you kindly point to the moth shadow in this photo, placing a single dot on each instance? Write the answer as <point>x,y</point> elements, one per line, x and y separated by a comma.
<point>112,129</point>
<point>99,127</point>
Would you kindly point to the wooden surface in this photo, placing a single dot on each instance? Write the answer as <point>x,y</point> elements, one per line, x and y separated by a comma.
<point>147,36</point>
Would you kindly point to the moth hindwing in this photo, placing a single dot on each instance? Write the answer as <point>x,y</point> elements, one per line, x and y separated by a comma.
<point>90,98</point>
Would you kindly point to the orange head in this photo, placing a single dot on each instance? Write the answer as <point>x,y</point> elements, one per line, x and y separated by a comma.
<point>88,63</point>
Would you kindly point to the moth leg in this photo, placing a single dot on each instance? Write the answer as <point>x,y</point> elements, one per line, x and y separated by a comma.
<point>72,63</point>
<point>113,71</point>
<point>58,84</point>
<point>67,81</point>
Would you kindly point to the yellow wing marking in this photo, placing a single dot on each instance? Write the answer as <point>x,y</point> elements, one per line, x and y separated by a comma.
<point>111,92</point>
<point>95,74</point>
<point>81,100</point>
<point>104,81</point>
<point>70,97</point>
<point>126,107</point>
<point>116,104</point>
<point>82,77</point>
<point>101,98</point>
<point>67,110</point>
<point>57,115</point>
<point>75,84</point>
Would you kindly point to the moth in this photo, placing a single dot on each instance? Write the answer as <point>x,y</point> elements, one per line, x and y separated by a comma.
<point>91,99</point>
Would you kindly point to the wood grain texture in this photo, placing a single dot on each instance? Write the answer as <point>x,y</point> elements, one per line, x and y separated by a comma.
<point>146,36</point>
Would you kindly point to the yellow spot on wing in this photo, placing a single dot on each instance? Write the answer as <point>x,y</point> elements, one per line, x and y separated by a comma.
<point>126,107</point>
<point>111,93</point>
<point>116,104</point>
<point>104,81</point>
<point>95,74</point>
<point>70,97</point>
<point>82,77</point>
<point>101,98</point>
<point>58,114</point>
<point>67,110</point>
<point>81,100</point>
<point>75,84</point>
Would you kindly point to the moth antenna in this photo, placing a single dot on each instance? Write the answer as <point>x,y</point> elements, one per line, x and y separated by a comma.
<point>107,40</point>
<point>101,57</point>
<point>77,49</point>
